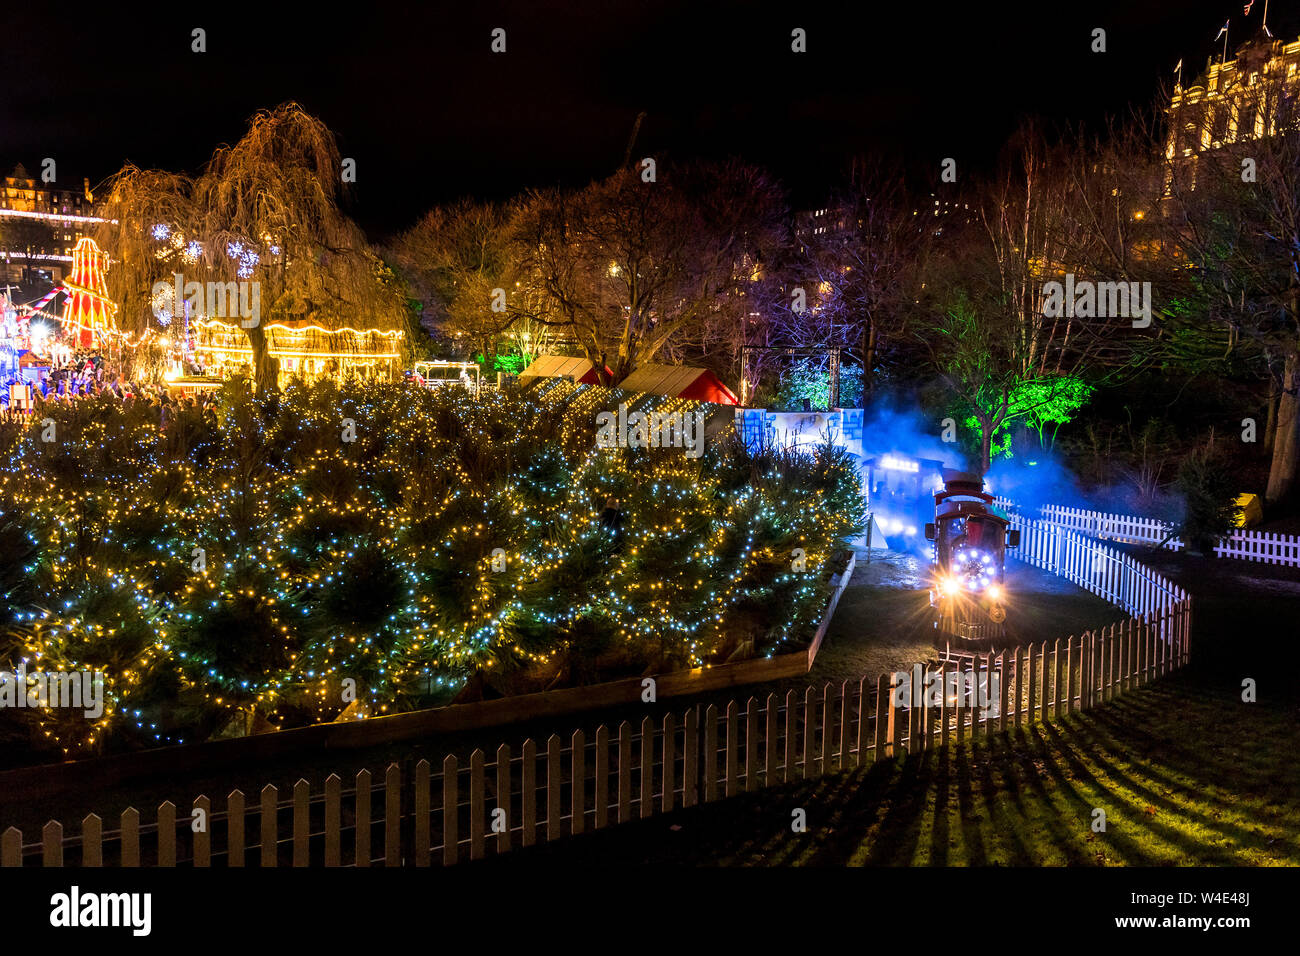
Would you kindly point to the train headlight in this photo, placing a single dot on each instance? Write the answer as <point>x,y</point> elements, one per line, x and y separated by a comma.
<point>996,593</point>
<point>949,586</point>
<point>974,569</point>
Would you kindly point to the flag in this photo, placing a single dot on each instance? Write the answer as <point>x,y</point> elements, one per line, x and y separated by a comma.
<point>1247,8</point>
<point>1224,30</point>
<point>1179,67</point>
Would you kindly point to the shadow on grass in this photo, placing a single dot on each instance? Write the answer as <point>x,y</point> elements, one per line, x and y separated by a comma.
<point>1184,777</point>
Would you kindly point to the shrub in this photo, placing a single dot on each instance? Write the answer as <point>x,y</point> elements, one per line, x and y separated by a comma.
<point>264,559</point>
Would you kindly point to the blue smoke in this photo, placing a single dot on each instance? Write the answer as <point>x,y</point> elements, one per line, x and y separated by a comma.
<point>889,427</point>
<point>1034,478</point>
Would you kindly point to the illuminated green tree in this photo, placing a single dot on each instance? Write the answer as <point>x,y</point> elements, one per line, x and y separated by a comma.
<point>1041,405</point>
<point>975,353</point>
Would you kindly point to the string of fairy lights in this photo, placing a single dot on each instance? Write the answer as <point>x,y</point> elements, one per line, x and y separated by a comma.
<point>257,564</point>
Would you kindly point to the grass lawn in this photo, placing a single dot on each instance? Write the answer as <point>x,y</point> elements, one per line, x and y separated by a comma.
<point>1185,777</point>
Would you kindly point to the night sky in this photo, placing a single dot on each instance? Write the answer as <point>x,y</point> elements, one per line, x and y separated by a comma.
<point>430,113</point>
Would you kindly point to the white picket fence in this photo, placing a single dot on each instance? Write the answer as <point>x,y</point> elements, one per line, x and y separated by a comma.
<point>1245,544</point>
<point>1116,578</point>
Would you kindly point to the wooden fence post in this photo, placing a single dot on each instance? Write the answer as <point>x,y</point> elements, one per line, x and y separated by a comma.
<point>1094,664</point>
<point>528,793</point>
<point>710,753</point>
<point>578,780</point>
<point>423,838</point>
<point>393,815</point>
<point>809,736</point>
<point>1017,704</point>
<point>825,762</point>
<point>301,823</point>
<point>863,740</point>
<point>167,834</point>
<point>1033,680</point>
<point>1097,669</point>
<point>791,732</point>
<point>923,703</point>
<point>363,818</point>
<point>1056,682</point>
<point>92,839</point>
<point>130,837</point>
<point>624,772</point>
<point>450,812</point>
<point>269,826</point>
<point>884,716</point>
<point>1046,673</point>
<point>477,804</point>
<point>771,753</point>
<point>896,721</point>
<point>235,828</point>
<point>554,789</point>
<point>1069,674</point>
<point>333,820</point>
<point>751,744</point>
<point>669,781</point>
<point>647,766</point>
<point>504,808</point>
<point>52,844</point>
<point>732,747</point>
<point>1125,644</point>
<point>1002,690</point>
<point>959,704</point>
<point>943,704</point>
<point>1116,654</point>
<point>691,759</point>
<point>843,762</point>
<point>11,847</point>
<point>1112,666</point>
<point>600,795</point>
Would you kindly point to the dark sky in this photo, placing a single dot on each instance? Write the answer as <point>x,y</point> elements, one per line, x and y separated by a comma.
<point>415,95</point>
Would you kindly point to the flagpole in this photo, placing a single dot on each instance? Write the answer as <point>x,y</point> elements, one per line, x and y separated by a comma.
<point>1225,45</point>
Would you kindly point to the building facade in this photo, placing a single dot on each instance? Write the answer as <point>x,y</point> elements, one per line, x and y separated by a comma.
<point>1231,102</point>
<point>40,224</point>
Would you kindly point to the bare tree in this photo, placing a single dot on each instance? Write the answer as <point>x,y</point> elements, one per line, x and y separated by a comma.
<point>631,268</point>
<point>464,262</point>
<point>868,266</point>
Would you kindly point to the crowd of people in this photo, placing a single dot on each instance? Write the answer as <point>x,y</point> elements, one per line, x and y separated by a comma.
<point>90,378</point>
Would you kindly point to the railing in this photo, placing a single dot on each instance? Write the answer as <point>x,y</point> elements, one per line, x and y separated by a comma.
<point>1265,546</point>
<point>1115,577</point>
